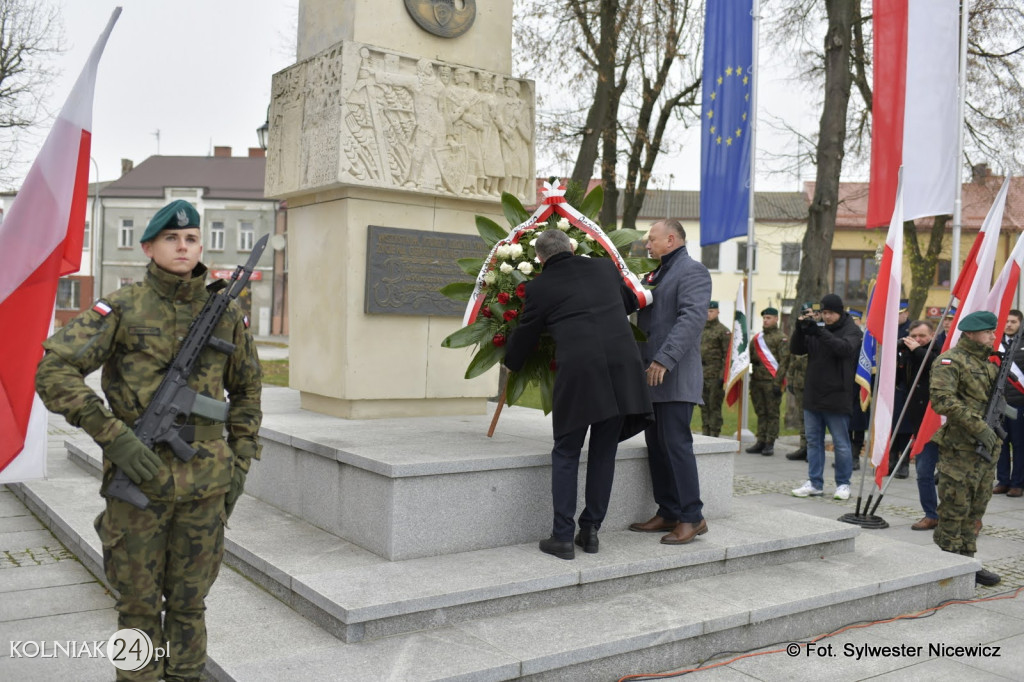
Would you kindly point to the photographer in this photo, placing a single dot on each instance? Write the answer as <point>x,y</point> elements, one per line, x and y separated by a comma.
<point>831,347</point>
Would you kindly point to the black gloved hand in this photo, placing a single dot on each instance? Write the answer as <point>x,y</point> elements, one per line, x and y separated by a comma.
<point>132,457</point>
<point>776,391</point>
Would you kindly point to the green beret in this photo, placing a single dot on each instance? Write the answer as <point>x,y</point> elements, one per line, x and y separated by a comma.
<point>980,321</point>
<point>770,311</point>
<point>713,305</point>
<point>177,215</point>
<point>808,305</point>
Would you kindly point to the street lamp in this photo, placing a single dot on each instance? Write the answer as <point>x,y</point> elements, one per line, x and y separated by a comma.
<point>263,132</point>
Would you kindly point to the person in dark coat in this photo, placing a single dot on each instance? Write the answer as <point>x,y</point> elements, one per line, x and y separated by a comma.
<point>599,382</point>
<point>911,353</point>
<point>831,349</point>
<point>671,354</point>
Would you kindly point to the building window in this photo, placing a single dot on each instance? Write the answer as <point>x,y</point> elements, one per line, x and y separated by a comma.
<point>246,235</point>
<point>791,257</point>
<point>124,281</point>
<point>741,256</point>
<point>217,235</point>
<point>126,235</point>
<point>68,294</point>
<point>852,274</point>
<point>943,273</point>
<point>709,256</point>
<point>86,236</point>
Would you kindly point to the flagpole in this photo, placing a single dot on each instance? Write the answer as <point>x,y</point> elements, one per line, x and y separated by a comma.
<point>961,106</point>
<point>755,13</point>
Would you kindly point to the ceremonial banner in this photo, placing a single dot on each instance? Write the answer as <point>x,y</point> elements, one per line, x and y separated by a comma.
<point>725,120</point>
<point>914,110</point>
<point>737,361</point>
<point>40,240</point>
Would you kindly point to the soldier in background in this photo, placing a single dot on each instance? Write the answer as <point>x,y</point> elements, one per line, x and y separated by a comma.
<point>962,380</point>
<point>796,374</point>
<point>769,359</point>
<point>714,347</point>
<point>162,560</point>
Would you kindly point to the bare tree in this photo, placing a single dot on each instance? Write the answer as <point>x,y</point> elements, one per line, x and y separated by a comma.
<point>29,35</point>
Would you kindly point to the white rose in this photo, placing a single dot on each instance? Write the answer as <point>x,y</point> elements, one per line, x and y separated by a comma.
<point>503,251</point>
<point>573,243</point>
<point>525,268</point>
<point>533,242</point>
<point>490,277</point>
<point>588,237</point>
<point>506,268</point>
<point>515,251</point>
<point>563,225</point>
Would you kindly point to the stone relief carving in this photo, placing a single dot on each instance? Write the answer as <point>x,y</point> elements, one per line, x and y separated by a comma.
<point>377,118</point>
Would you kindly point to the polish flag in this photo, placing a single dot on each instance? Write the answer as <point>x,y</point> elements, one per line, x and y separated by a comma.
<point>41,240</point>
<point>883,324</point>
<point>914,122</point>
<point>1000,299</point>
<point>976,293</point>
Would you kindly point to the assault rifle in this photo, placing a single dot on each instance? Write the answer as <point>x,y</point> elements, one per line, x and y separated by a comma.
<point>174,401</point>
<point>997,407</point>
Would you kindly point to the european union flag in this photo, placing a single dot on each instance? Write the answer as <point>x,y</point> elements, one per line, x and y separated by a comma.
<point>725,120</point>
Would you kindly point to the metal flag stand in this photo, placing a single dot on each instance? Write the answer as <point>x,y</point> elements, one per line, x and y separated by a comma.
<point>865,516</point>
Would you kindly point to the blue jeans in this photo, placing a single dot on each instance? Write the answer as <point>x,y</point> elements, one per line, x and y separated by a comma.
<point>1005,474</point>
<point>838,425</point>
<point>925,463</point>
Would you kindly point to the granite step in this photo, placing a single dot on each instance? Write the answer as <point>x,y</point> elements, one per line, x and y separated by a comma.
<point>357,595</point>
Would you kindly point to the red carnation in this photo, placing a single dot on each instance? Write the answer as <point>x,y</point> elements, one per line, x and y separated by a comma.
<point>521,290</point>
<point>498,340</point>
<point>486,312</point>
<point>503,298</point>
<point>553,366</point>
<point>510,315</point>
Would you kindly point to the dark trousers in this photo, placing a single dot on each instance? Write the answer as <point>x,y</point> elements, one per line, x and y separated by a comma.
<point>1011,468</point>
<point>673,465</point>
<point>925,463</point>
<point>565,462</point>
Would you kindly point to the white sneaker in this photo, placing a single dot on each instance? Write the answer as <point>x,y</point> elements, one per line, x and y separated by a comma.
<point>842,493</point>
<point>807,490</point>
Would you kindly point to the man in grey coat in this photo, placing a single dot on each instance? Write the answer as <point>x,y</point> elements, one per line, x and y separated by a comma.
<point>671,354</point>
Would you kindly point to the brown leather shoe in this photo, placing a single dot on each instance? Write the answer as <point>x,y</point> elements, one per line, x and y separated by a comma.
<point>1000,489</point>
<point>1015,492</point>
<point>685,532</point>
<point>655,524</point>
<point>926,523</point>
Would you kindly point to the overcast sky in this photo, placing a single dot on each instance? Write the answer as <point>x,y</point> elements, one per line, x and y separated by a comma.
<point>199,71</point>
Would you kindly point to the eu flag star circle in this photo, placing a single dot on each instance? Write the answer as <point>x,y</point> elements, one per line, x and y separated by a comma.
<point>725,124</point>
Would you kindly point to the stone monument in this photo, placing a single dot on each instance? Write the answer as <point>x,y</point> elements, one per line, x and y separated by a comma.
<point>387,138</point>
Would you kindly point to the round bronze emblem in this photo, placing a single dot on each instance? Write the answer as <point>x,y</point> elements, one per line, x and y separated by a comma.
<point>445,18</point>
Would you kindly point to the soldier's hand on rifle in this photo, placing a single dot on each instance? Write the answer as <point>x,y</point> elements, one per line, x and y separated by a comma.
<point>990,440</point>
<point>132,457</point>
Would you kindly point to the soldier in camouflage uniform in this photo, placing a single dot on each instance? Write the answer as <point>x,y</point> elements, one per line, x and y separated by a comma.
<point>714,346</point>
<point>166,557</point>
<point>962,381</point>
<point>765,389</point>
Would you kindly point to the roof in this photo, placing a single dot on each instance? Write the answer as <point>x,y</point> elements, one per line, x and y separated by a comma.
<point>221,177</point>
<point>977,197</point>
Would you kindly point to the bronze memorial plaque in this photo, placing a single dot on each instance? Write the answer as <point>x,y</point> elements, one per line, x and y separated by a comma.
<point>406,268</point>
<point>444,18</point>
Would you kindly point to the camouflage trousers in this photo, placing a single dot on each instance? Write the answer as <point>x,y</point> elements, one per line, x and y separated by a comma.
<point>164,559</point>
<point>766,407</point>
<point>797,396</point>
<point>711,410</point>
<point>965,487</point>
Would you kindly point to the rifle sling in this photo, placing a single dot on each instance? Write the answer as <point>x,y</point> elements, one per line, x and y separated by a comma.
<point>191,433</point>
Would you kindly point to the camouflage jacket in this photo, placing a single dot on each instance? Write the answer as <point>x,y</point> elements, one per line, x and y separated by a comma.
<point>961,383</point>
<point>778,344</point>
<point>134,334</point>
<point>714,346</point>
<point>796,372</point>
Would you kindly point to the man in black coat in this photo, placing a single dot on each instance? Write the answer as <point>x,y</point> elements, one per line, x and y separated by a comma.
<point>599,381</point>
<point>831,347</point>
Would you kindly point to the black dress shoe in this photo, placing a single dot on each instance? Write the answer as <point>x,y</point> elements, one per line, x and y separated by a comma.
<point>756,448</point>
<point>800,454</point>
<point>587,539</point>
<point>562,550</point>
<point>986,578</point>
<point>902,472</point>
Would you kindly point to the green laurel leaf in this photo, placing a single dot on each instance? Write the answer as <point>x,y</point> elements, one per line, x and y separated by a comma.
<point>490,231</point>
<point>458,291</point>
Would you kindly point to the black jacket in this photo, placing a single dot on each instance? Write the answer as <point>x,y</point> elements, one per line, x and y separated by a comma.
<point>908,362</point>
<point>583,303</point>
<point>831,353</point>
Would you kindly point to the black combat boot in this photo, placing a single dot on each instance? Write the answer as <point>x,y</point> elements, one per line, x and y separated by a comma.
<point>769,449</point>
<point>587,539</point>
<point>799,455</point>
<point>756,448</point>
<point>983,577</point>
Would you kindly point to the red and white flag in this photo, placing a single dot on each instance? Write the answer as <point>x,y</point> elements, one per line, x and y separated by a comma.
<point>40,240</point>
<point>975,291</point>
<point>914,122</point>
<point>1000,299</point>
<point>883,324</point>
